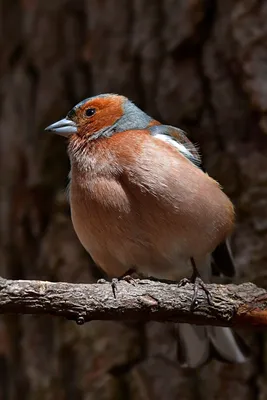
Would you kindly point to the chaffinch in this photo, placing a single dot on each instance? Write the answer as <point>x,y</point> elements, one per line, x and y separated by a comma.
<point>141,200</point>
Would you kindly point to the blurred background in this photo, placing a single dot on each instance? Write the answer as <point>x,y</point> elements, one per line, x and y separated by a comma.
<point>198,64</point>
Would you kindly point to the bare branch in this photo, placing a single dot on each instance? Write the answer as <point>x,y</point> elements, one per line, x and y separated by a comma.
<point>233,305</point>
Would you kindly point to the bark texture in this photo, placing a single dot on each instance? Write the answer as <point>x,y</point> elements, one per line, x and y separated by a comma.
<point>144,300</point>
<point>197,64</point>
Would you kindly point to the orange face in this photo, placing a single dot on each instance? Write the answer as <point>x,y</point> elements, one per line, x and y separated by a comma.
<point>90,116</point>
<point>94,115</point>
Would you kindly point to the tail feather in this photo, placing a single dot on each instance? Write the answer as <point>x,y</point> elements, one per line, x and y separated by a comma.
<point>198,344</point>
<point>229,346</point>
<point>193,345</point>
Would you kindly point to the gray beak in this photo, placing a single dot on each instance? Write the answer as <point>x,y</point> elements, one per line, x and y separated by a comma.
<point>63,127</point>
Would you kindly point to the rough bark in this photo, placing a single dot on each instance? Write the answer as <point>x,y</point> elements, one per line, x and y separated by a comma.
<point>144,300</point>
<point>200,65</point>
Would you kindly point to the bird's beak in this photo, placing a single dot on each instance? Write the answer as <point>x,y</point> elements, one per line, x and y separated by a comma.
<point>63,127</point>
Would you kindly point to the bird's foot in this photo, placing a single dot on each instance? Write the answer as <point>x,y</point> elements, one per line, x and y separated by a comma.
<point>114,286</point>
<point>130,279</point>
<point>102,281</point>
<point>184,282</point>
<point>127,277</point>
<point>198,283</point>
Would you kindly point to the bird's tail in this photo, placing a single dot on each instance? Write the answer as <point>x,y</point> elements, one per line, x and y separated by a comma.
<point>198,344</point>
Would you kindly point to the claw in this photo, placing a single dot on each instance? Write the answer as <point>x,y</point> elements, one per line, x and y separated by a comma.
<point>184,282</point>
<point>102,281</point>
<point>114,284</point>
<point>198,283</point>
<point>129,279</point>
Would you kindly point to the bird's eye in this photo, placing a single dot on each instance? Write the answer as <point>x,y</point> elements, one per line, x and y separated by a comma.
<point>90,111</point>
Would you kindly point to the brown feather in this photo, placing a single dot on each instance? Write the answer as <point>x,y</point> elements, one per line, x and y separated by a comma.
<point>136,202</point>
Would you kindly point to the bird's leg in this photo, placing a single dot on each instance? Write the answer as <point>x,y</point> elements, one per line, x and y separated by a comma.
<point>113,284</point>
<point>198,283</point>
<point>127,276</point>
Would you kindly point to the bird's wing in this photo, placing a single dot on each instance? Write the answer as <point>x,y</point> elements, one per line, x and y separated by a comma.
<point>177,138</point>
<point>222,256</point>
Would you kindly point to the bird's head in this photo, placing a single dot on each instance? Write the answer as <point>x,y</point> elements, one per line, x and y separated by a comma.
<point>101,116</point>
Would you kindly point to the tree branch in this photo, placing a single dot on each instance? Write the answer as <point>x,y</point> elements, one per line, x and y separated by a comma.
<point>232,305</point>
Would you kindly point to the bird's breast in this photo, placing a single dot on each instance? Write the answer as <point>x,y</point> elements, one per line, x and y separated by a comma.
<point>122,228</point>
<point>150,209</point>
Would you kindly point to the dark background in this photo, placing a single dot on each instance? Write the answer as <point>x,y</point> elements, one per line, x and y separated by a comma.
<point>200,65</point>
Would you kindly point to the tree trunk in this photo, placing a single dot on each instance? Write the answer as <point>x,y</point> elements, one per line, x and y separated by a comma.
<point>197,64</point>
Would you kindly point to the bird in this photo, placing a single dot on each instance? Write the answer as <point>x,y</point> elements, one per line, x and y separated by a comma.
<point>141,200</point>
